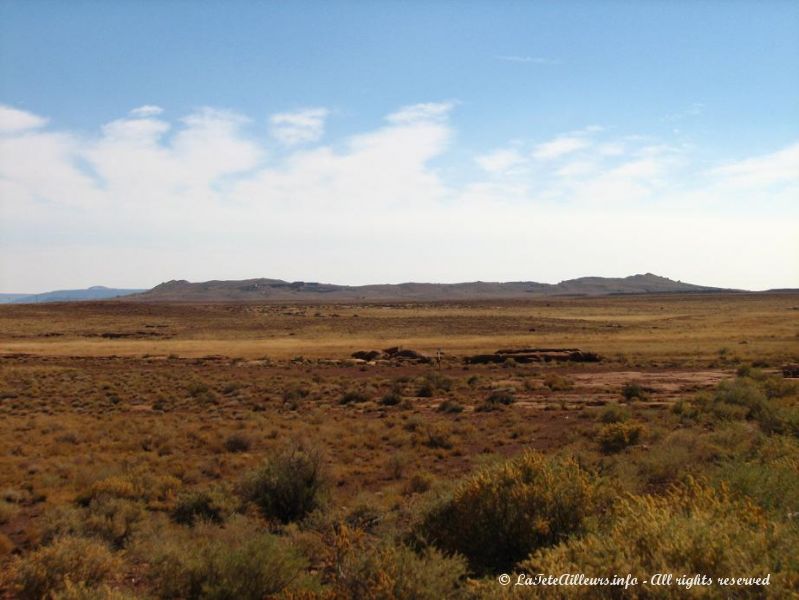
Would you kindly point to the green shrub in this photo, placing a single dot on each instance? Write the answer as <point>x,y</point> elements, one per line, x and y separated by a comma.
<point>198,506</point>
<point>500,515</point>
<point>614,413</point>
<point>233,563</point>
<point>391,571</point>
<point>693,529</point>
<point>113,520</point>
<point>79,560</point>
<point>770,477</point>
<point>769,401</point>
<point>289,485</point>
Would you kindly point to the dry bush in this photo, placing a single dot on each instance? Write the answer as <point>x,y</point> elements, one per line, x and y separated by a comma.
<point>291,484</point>
<point>633,390</point>
<point>353,397</point>
<point>7,511</point>
<point>615,437</point>
<point>78,560</point>
<point>558,383</point>
<point>213,506</point>
<point>498,516</point>
<point>450,406</point>
<point>81,591</point>
<point>238,442</point>
<point>237,562</point>
<point>158,491</point>
<point>113,520</point>
<point>614,413</point>
<point>419,483</point>
<point>386,570</point>
<point>693,529</point>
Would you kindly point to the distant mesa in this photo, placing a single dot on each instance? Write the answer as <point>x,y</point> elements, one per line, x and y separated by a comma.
<point>276,290</point>
<point>96,292</point>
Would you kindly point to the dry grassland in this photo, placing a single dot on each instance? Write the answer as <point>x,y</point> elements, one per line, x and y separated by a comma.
<point>113,414</point>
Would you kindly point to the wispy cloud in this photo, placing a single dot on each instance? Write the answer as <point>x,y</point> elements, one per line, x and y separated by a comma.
<point>299,127</point>
<point>696,109</point>
<point>148,110</point>
<point>533,60</point>
<point>500,161</point>
<point>566,143</point>
<point>427,111</point>
<point>781,167</point>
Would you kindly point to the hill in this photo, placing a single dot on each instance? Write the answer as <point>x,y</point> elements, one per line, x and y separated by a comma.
<point>97,292</point>
<point>259,290</point>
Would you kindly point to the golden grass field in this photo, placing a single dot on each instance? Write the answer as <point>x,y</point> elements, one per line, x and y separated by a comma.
<point>164,400</point>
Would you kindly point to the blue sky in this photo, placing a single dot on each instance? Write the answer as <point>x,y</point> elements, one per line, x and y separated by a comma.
<point>534,122</point>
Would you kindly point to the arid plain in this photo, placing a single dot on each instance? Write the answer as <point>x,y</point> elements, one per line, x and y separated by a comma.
<point>119,419</point>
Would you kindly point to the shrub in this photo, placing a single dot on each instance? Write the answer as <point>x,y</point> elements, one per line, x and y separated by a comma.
<point>79,560</point>
<point>81,591</point>
<point>500,515</point>
<point>419,483</point>
<point>394,571</point>
<point>211,506</point>
<point>558,383</point>
<point>232,563</point>
<point>7,511</point>
<point>768,401</point>
<point>450,406</point>
<point>433,382</point>
<point>503,397</point>
<point>634,391</point>
<point>496,400</point>
<point>693,529</point>
<point>237,442</point>
<point>158,491</point>
<point>615,437</point>
<point>289,485</point>
<point>353,397</point>
<point>436,436</point>
<point>113,520</point>
<point>614,413</point>
<point>391,399</point>
<point>770,478</point>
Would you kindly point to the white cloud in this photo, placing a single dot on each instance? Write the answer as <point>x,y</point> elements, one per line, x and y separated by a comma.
<point>559,147</point>
<point>13,120</point>
<point>148,110</point>
<point>299,127</point>
<point>500,161</point>
<point>147,199</point>
<point>776,168</point>
<point>414,113</point>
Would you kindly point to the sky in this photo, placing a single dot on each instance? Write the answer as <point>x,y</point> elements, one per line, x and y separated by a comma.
<point>383,142</point>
